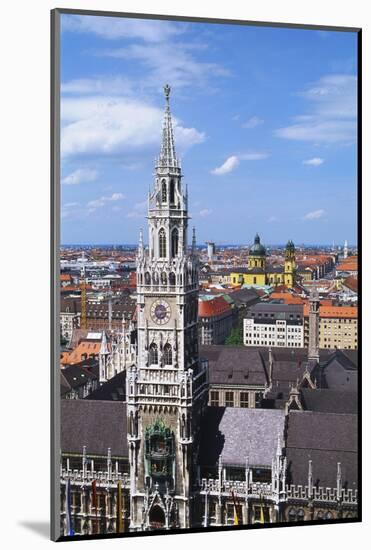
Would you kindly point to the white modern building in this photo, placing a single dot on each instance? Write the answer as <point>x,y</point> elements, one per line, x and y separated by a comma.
<point>274,325</point>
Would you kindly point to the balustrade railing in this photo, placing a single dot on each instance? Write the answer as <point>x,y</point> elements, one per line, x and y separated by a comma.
<point>293,492</point>
<point>103,477</point>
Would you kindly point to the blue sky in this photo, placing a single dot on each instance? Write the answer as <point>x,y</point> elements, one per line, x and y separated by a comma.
<point>265,124</point>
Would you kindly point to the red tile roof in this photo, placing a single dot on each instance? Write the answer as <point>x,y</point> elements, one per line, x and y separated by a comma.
<point>352,283</point>
<point>212,308</point>
<point>334,312</point>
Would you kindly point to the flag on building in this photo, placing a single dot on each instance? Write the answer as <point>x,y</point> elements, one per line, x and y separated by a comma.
<point>69,526</point>
<point>261,511</point>
<point>94,503</point>
<point>119,523</point>
<point>235,513</point>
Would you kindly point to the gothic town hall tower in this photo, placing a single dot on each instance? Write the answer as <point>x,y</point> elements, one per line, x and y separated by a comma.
<point>166,389</point>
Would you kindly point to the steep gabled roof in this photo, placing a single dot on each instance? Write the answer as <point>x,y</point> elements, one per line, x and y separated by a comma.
<point>234,435</point>
<point>326,439</point>
<point>96,424</point>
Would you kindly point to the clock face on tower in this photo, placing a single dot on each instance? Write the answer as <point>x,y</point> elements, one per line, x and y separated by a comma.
<point>160,312</point>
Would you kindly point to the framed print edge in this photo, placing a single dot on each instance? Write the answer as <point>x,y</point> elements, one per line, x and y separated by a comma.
<point>55,435</point>
<point>54,268</point>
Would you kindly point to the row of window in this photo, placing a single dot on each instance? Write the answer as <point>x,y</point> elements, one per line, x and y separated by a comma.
<point>231,398</point>
<point>167,355</point>
<point>272,343</point>
<point>164,192</point>
<point>259,328</point>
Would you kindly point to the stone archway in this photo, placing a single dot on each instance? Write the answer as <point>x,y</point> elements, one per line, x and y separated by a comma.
<point>157,517</point>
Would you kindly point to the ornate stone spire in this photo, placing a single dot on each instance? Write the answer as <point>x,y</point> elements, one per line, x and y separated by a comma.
<point>104,347</point>
<point>140,245</point>
<point>314,313</point>
<point>167,158</point>
<point>194,240</point>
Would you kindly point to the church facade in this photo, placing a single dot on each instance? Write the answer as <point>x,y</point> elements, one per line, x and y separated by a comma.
<point>260,273</point>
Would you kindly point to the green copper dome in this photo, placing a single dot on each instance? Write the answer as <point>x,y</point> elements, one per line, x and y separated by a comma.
<point>290,245</point>
<point>257,248</point>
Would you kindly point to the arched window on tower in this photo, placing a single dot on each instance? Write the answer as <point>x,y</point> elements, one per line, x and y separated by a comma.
<point>174,242</point>
<point>172,279</point>
<point>168,356</point>
<point>153,354</point>
<point>162,243</point>
<point>163,278</point>
<point>163,191</point>
<point>172,192</point>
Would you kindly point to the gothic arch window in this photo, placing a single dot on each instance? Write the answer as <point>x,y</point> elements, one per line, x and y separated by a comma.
<point>168,355</point>
<point>174,242</point>
<point>172,279</point>
<point>163,191</point>
<point>153,354</point>
<point>163,278</point>
<point>172,192</point>
<point>301,514</point>
<point>162,243</point>
<point>147,278</point>
<point>155,278</point>
<point>157,517</point>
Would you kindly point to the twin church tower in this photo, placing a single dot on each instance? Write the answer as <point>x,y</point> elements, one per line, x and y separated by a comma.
<point>167,388</point>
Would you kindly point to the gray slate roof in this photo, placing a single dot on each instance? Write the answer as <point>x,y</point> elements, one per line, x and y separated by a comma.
<point>332,401</point>
<point>339,372</point>
<point>234,365</point>
<point>76,375</point>
<point>326,439</point>
<point>112,390</point>
<point>233,434</point>
<point>95,424</point>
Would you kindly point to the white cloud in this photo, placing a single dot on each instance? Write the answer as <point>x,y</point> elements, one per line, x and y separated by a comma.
<point>102,201</point>
<point>172,62</point>
<point>69,209</point>
<point>332,117</point>
<point>102,85</point>
<point>253,156</point>
<point>110,125</point>
<point>253,122</point>
<point>138,210</point>
<point>232,162</point>
<point>272,219</point>
<point>113,28</point>
<point>316,161</point>
<point>205,212</point>
<point>80,175</point>
<point>314,215</point>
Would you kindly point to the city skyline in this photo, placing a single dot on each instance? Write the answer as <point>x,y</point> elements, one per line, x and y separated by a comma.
<point>288,131</point>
